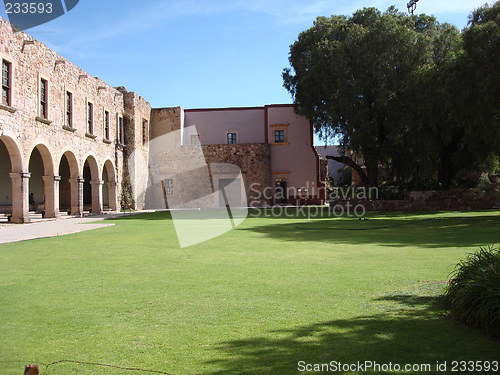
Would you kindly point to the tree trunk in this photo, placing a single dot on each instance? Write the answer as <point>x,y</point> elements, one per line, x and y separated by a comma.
<point>351,163</point>
<point>372,171</point>
<point>446,171</point>
<point>447,151</point>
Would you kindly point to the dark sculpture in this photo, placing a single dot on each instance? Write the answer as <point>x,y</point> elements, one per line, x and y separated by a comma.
<point>412,5</point>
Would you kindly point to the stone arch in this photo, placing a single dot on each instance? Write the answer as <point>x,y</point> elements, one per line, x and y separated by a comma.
<point>14,148</point>
<point>46,153</point>
<point>43,183</point>
<point>109,185</point>
<point>73,162</point>
<point>109,169</point>
<point>11,178</point>
<point>69,173</point>
<point>92,194</point>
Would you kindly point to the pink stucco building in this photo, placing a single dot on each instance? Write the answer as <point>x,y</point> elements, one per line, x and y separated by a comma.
<point>272,146</point>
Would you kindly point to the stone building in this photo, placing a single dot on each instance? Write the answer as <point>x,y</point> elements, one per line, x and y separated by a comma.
<point>63,133</point>
<point>71,143</point>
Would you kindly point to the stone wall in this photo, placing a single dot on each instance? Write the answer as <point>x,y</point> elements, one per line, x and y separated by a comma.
<point>137,124</point>
<point>428,201</point>
<point>186,167</point>
<point>254,160</point>
<point>165,120</point>
<point>196,172</point>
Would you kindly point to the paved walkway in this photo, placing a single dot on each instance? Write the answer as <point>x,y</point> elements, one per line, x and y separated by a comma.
<point>52,228</point>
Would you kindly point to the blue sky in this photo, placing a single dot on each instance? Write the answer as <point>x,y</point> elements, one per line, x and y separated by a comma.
<point>202,53</point>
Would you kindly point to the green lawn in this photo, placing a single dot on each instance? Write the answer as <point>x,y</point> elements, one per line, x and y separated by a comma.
<point>256,300</point>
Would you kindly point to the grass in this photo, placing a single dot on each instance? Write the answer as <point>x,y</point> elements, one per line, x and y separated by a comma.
<point>256,300</point>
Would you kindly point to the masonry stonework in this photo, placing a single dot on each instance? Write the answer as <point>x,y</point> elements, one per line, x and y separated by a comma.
<point>66,153</point>
<point>137,118</point>
<point>454,200</point>
<point>165,120</point>
<point>254,160</point>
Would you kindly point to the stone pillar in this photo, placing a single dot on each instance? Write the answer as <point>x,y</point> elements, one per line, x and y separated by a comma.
<point>51,196</point>
<point>97,196</point>
<point>76,196</point>
<point>20,197</point>
<point>113,204</point>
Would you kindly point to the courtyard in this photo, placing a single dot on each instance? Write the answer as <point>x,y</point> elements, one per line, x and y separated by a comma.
<point>276,295</point>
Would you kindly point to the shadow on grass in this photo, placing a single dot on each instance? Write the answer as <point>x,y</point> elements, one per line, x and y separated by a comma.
<point>421,229</point>
<point>323,212</point>
<point>438,231</point>
<point>415,332</point>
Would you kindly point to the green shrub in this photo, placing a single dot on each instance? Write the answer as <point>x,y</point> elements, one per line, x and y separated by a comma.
<point>474,290</point>
<point>127,199</point>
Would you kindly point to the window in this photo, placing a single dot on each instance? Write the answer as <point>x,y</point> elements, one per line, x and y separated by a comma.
<point>121,133</point>
<point>44,97</point>
<point>279,136</point>
<point>145,131</point>
<point>6,82</point>
<point>169,186</point>
<point>90,118</point>
<point>69,109</point>
<point>106,125</point>
<point>231,138</point>
<point>195,139</point>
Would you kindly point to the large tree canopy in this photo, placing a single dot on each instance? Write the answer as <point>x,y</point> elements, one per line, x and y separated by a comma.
<point>457,98</point>
<point>348,75</point>
<point>482,53</point>
<point>391,86</point>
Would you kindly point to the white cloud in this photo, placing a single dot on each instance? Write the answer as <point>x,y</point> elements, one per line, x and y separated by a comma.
<point>151,14</point>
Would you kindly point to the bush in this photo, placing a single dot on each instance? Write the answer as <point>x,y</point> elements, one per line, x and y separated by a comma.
<point>127,199</point>
<point>474,290</point>
<point>488,189</point>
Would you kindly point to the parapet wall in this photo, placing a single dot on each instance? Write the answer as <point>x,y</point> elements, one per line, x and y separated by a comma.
<point>165,120</point>
<point>456,200</point>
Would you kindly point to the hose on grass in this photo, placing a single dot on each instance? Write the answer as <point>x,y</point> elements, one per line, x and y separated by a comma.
<point>47,365</point>
<point>103,365</point>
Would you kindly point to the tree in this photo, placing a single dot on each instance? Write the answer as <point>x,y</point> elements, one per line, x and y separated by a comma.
<point>349,75</point>
<point>437,126</point>
<point>482,53</point>
<point>435,133</point>
<point>456,97</point>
